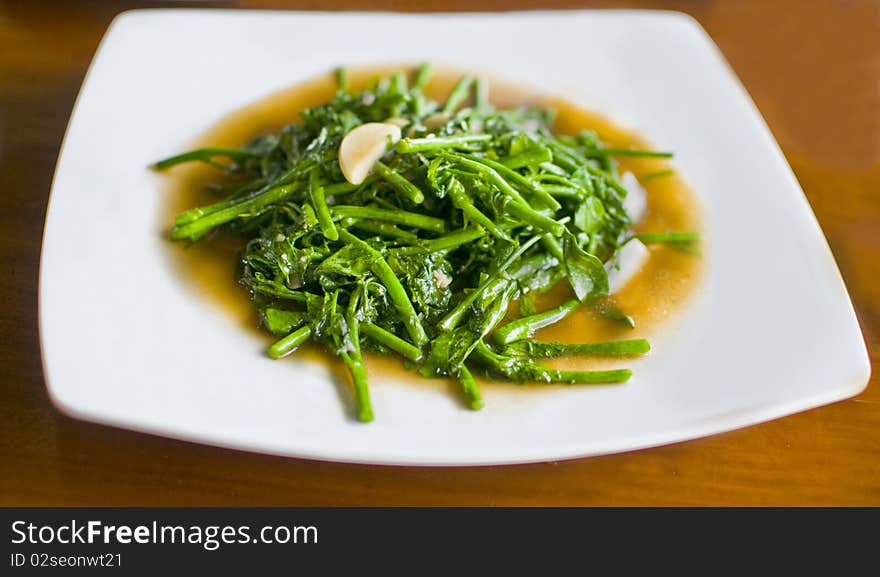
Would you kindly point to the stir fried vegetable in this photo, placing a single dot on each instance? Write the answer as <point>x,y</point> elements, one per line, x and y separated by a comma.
<point>385,221</point>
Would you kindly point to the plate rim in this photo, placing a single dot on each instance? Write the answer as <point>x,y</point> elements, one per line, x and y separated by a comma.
<point>691,431</point>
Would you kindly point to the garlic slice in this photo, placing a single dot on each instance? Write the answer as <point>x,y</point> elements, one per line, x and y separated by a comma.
<point>363,146</point>
<point>629,261</point>
<point>436,120</point>
<point>397,121</point>
<point>636,201</point>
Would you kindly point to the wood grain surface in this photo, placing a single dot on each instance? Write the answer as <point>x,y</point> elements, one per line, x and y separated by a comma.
<point>813,68</point>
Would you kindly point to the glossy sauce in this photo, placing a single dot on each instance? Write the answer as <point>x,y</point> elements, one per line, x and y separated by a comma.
<point>652,296</point>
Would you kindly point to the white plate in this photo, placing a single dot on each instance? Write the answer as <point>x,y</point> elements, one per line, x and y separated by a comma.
<point>127,343</point>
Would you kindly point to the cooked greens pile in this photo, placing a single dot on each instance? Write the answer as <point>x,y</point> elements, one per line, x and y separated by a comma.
<point>472,209</point>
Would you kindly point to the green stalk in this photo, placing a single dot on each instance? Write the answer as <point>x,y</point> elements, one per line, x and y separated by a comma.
<point>400,184</point>
<point>341,75</point>
<point>283,292</point>
<point>552,246</point>
<point>355,362</point>
<point>408,145</point>
<point>391,341</point>
<point>454,317</point>
<point>564,156</point>
<point>525,327</point>
<point>563,191</point>
<point>455,239</point>
<point>447,242</point>
<point>462,202</point>
<point>604,308</point>
<point>552,350</point>
<point>398,87</point>
<point>200,227</point>
<point>384,229</point>
<point>423,74</point>
<point>665,237</point>
<point>322,211</point>
<point>203,155</point>
<point>398,83</point>
<point>534,218</point>
<point>288,177</point>
<point>644,177</point>
<point>515,177</point>
<point>481,94</point>
<point>402,217</point>
<point>285,346</point>
<point>627,152</point>
<point>458,94</point>
<point>609,180</point>
<point>396,292</point>
<point>522,370</point>
<point>358,373</point>
<point>518,207</point>
<point>347,187</point>
<point>487,171</point>
<point>470,388</point>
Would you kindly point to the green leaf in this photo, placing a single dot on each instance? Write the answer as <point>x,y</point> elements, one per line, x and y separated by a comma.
<point>426,278</point>
<point>586,273</point>
<point>280,321</point>
<point>448,351</point>
<point>590,215</point>
<point>351,260</point>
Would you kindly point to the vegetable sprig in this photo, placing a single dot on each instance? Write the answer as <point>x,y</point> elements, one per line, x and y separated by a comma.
<point>472,209</point>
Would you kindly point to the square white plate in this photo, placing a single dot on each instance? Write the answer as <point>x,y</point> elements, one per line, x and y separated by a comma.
<point>126,343</point>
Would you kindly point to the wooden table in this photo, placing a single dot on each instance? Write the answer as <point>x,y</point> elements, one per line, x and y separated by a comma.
<point>812,68</point>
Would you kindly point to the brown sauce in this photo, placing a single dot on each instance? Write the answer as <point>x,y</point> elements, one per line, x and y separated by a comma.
<point>651,297</point>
